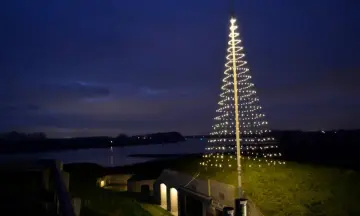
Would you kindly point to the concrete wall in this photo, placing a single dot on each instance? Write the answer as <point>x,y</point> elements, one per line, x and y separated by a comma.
<point>135,186</point>
<point>223,193</point>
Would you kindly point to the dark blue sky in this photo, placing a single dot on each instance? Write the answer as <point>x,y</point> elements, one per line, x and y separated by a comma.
<point>90,67</point>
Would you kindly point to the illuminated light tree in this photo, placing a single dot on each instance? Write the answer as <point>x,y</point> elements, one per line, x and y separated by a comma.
<point>252,134</point>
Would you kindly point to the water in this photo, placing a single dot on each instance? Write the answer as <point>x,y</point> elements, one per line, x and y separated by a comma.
<point>116,156</point>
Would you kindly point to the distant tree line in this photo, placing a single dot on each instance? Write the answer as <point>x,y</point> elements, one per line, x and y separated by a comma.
<point>15,142</point>
<point>16,136</point>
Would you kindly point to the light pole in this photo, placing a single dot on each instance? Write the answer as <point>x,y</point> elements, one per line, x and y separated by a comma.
<point>236,101</point>
<point>240,202</point>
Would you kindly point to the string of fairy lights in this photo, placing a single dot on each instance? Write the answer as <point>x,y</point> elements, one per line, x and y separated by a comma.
<point>256,142</point>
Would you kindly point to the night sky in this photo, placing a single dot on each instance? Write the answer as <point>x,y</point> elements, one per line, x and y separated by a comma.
<point>103,67</point>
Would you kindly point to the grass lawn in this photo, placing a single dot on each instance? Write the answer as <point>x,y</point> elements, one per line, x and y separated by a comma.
<point>281,190</point>
<point>155,210</point>
<point>292,189</point>
<point>147,204</point>
<point>104,202</point>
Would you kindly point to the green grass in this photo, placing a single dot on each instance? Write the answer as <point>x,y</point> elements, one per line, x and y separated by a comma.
<point>107,202</point>
<point>146,203</point>
<point>155,210</point>
<point>281,190</point>
<point>292,189</point>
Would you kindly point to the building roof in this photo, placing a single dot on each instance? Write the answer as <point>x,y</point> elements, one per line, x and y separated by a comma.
<point>144,176</point>
<point>195,194</point>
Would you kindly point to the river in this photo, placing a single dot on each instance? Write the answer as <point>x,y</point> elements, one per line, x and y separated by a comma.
<point>116,156</point>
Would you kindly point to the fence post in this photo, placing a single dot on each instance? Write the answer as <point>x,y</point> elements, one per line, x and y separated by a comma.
<point>241,207</point>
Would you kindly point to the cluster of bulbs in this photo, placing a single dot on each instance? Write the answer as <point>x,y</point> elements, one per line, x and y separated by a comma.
<point>248,105</point>
<point>228,162</point>
<point>256,143</point>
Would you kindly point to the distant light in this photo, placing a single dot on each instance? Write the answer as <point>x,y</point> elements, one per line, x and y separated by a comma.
<point>102,183</point>
<point>111,141</point>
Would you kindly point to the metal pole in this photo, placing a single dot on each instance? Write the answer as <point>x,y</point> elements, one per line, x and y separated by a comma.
<point>237,120</point>
<point>241,207</point>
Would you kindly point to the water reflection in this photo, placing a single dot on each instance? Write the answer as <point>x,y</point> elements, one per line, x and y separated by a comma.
<point>113,156</point>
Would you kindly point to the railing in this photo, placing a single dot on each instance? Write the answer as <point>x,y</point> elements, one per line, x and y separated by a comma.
<point>62,199</point>
<point>65,207</point>
<point>53,194</point>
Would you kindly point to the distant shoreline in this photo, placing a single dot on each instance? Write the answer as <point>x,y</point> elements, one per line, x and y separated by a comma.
<point>163,155</point>
<point>71,148</point>
<point>56,145</point>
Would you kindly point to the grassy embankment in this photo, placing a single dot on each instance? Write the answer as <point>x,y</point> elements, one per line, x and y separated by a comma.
<point>282,190</point>
<point>299,189</point>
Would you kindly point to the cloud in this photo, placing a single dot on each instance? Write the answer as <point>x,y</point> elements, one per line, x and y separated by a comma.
<point>40,92</point>
<point>319,102</point>
<point>320,89</point>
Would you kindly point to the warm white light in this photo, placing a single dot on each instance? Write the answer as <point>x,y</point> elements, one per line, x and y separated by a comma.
<point>174,201</point>
<point>163,196</point>
<point>102,183</point>
<point>255,140</point>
